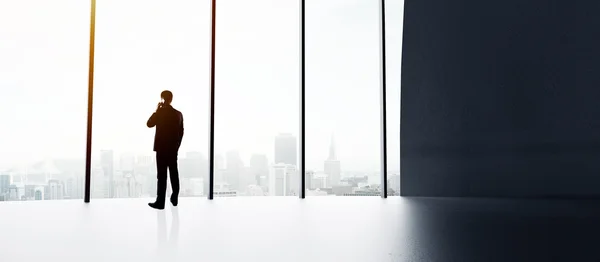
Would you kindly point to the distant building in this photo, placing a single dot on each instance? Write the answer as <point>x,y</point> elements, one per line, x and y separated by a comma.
<point>39,195</point>
<point>254,190</point>
<point>224,190</point>
<point>36,192</point>
<point>394,183</point>
<point>319,181</point>
<point>16,192</point>
<point>341,190</point>
<point>368,191</point>
<point>130,184</point>
<point>286,149</point>
<point>99,183</point>
<point>55,190</point>
<point>358,180</point>
<point>292,181</point>
<point>145,160</point>
<point>5,182</point>
<point>277,180</point>
<point>283,180</point>
<point>107,164</point>
<point>309,180</point>
<point>332,166</point>
<point>30,192</point>
<point>145,166</point>
<point>264,183</point>
<point>74,187</point>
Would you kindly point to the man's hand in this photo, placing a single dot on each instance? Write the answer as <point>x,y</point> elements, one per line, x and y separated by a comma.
<point>159,106</point>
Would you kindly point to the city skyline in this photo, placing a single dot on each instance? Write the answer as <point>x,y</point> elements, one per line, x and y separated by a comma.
<point>271,160</point>
<point>117,175</point>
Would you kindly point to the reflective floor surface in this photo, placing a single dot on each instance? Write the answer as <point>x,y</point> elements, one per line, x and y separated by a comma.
<point>315,229</point>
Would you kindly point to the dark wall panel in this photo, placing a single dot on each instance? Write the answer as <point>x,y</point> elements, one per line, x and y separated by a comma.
<point>501,98</point>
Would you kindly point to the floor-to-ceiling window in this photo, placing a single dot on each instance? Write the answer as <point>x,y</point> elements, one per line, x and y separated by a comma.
<point>142,48</point>
<point>43,91</point>
<point>394,20</point>
<point>145,47</point>
<point>342,98</point>
<point>256,118</point>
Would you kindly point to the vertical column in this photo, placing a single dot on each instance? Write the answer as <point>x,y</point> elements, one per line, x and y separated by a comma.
<point>383,97</point>
<point>88,152</point>
<point>211,131</point>
<point>301,162</point>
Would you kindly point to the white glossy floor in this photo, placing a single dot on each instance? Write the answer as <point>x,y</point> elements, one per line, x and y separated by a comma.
<point>283,229</point>
<point>226,229</point>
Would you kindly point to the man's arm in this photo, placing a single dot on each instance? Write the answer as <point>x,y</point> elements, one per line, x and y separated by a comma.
<point>153,120</point>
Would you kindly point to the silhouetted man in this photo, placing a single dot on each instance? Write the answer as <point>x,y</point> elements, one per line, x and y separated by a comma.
<point>169,132</point>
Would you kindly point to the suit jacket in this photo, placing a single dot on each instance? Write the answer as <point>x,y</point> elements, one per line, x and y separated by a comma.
<point>169,129</point>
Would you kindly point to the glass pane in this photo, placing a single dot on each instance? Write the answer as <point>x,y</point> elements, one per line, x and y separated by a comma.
<point>142,48</point>
<point>342,98</point>
<point>256,118</point>
<point>43,82</point>
<point>394,23</point>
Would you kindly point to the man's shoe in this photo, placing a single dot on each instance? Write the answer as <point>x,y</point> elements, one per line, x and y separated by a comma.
<point>156,206</point>
<point>174,201</point>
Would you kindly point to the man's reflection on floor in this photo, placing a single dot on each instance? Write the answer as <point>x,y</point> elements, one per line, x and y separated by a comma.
<point>167,247</point>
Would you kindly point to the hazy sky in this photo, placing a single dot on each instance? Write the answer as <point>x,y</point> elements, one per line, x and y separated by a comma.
<point>146,46</point>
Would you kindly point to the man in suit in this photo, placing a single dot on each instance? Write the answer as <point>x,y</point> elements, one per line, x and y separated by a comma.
<point>169,133</point>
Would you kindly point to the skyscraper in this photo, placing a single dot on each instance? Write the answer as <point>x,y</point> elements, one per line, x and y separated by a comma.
<point>277,180</point>
<point>99,184</point>
<point>145,160</point>
<point>283,180</point>
<point>107,163</point>
<point>332,166</point>
<point>4,183</point>
<point>55,190</point>
<point>4,186</point>
<point>145,166</point>
<point>30,192</point>
<point>309,180</point>
<point>16,192</point>
<point>285,149</point>
<point>38,195</point>
<point>292,181</point>
<point>74,187</point>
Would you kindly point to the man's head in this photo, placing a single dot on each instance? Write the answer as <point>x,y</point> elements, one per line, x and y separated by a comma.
<point>167,96</point>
